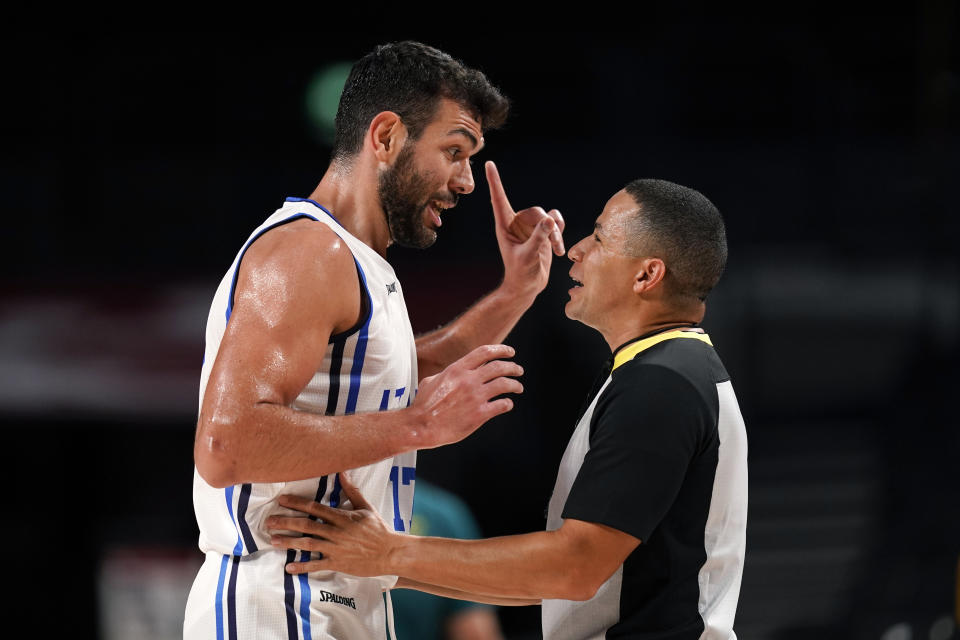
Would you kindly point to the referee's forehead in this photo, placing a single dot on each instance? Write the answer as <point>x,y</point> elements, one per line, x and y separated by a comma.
<point>614,221</point>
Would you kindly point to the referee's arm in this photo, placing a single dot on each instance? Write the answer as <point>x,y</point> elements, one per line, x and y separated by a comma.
<point>569,563</point>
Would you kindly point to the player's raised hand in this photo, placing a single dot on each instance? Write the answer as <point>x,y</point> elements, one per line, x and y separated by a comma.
<point>526,238</point>
<point>454,403</point>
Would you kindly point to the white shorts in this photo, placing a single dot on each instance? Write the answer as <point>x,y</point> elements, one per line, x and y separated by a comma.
<point>253,598</point>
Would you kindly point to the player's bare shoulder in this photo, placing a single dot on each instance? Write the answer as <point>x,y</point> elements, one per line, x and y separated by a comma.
<point>300,272</point>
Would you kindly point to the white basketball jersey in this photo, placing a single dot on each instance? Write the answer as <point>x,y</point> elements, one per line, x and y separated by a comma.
<point>242,591</point>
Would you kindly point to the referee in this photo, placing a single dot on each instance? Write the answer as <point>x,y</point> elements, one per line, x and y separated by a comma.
<point>646,527</point>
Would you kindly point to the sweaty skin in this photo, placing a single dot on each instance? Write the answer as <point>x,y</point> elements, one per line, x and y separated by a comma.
<point>290,299</point>
<point>569,563</point>
<point>621,296</point>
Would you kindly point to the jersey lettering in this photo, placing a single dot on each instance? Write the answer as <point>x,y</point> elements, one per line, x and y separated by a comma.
<point>401,477</point>
<point>385,399</point>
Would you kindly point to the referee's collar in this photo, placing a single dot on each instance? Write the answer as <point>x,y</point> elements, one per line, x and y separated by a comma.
<point>628,350</point>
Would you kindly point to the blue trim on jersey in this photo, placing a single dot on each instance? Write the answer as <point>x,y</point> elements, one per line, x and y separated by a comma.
<point>321,491</point>
<point>228,494</point>
<point>305,597</point>
<point>317,205</point>
<point>335,493</point>
<point>232,599</point>
<point>236,272</point>
<point>232,587</point>
<point>289,596</point>
<point>242,517</point>
<point>357,370</point>
<point>352,330</point>
<point>219,605</point>
<point>360,350</point>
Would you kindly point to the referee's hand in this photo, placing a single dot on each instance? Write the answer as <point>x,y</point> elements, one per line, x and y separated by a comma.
<point>356,541</point>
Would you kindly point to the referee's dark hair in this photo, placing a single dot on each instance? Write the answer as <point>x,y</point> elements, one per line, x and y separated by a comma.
<point>409,78</point>
<point>681,227</point>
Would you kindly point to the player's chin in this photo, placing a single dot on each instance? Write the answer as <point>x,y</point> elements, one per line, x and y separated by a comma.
<point>428,233</point>
<point>429,230</point>
<point>422,239</point>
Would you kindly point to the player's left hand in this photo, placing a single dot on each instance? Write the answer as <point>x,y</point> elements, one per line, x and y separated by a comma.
<point>355,541</point>
<point>526,239</point>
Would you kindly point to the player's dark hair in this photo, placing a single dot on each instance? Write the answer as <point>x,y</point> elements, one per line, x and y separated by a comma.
<point>684,229</point>
<point>409,78</point>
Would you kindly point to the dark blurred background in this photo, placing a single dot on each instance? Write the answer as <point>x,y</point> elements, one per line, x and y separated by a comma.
<point>134,165</point>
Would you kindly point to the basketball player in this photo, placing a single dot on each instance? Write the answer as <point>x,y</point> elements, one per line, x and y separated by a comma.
<point>311,365</point>
<point>646,527</point>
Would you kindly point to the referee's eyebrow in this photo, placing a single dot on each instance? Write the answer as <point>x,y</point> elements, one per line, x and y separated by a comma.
<point>598,229</point>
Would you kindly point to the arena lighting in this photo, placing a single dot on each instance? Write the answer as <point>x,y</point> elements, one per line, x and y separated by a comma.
<point>322,97</point>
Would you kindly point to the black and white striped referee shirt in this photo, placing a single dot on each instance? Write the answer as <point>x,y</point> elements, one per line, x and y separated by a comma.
<point>660,454</point>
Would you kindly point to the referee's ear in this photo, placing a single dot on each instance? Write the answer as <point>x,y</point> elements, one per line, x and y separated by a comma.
<point>649,276</point>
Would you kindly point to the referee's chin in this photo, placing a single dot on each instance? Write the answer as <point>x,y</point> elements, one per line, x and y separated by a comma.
<point>570,310</point>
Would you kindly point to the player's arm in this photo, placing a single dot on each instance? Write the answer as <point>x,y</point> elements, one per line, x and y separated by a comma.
<point>527,241</point>
<point>297,286</point>
<point>569,563</point>
<point>444,592</point>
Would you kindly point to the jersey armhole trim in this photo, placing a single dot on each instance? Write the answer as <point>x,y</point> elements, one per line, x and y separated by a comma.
<point>236,271</point>
<point>317,205</point>
<point>362,322</point>
<point>362,280</point>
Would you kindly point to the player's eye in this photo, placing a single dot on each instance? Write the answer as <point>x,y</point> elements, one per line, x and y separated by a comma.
<point>454,152</point>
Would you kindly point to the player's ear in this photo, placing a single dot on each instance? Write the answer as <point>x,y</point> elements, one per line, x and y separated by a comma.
<point>386,136</point>
<point>649,275</point>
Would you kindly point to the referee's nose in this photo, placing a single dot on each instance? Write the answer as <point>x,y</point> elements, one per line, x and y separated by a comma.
<point>575,253</point>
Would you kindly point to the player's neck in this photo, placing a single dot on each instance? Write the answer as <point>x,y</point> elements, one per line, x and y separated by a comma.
<point>351,196</point>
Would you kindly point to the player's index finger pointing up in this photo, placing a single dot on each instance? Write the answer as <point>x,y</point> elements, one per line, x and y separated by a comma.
<point>498,197</point>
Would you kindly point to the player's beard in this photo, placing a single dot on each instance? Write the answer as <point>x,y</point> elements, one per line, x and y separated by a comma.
<point>404,196</point>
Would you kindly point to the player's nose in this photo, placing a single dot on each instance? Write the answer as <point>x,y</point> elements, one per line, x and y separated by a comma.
<point>462,179</point>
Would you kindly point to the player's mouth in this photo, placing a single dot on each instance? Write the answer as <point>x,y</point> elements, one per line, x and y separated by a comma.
<point>576,283</point>
<point>436,208</point>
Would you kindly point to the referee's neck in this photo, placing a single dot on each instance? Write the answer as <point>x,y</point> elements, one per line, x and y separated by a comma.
<point>653,332</point>
<point>645,325</point>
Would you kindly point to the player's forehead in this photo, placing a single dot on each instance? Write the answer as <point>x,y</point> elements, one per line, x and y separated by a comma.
<point>453,120</point>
